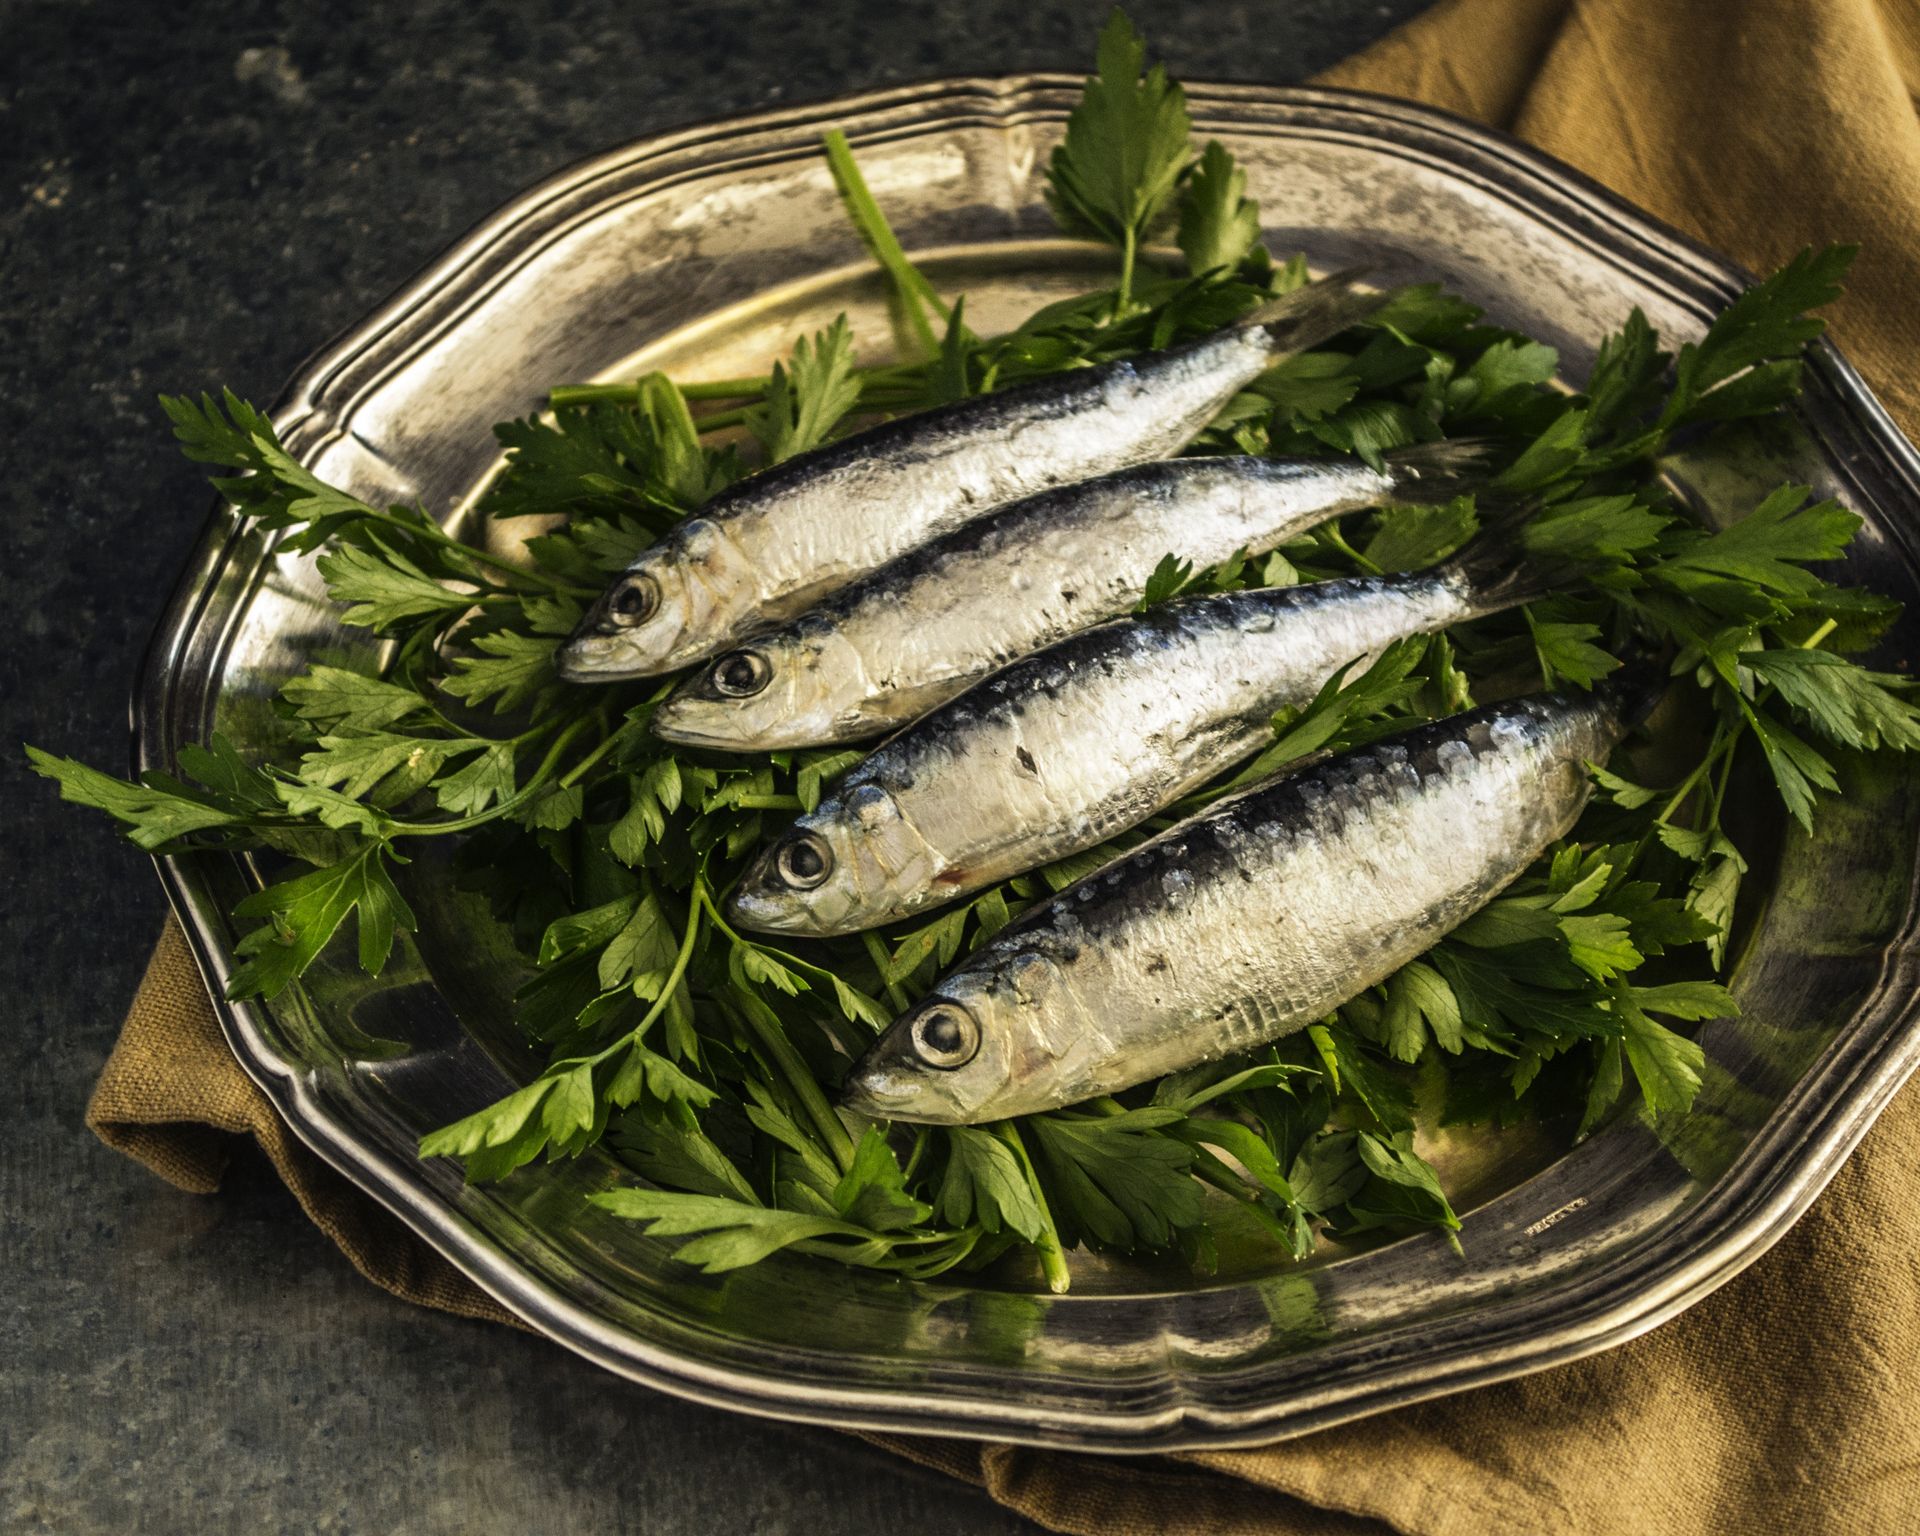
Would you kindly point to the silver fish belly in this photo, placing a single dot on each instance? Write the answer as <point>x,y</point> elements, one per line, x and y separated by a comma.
<point>773,545</point>
<point>920,630</point>
<point>1061,750</point>
<point>1255,918</point>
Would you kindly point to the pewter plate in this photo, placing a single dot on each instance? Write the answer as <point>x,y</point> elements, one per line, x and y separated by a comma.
<point>704,252</point>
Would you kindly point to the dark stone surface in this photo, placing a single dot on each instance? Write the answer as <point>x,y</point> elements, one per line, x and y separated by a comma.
<point>200,195</point>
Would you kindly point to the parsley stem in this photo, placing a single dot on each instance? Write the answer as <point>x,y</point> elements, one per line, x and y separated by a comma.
<point>435,534</point>
<point>961,1244</point>
<point>785,957</point>
<point>513,568</point>
<point>769,803</point>
<point>1211,1170</point>
<point>920,1139</point>
<point>1053,1262</point>
<point>896,994</point>
<point>877,381</point>
<point>1692,780</point>
<point>1819,634</point>
<point>1123,295</point>
<point>799,1076</point>
<point>806,1090</point>
<point>916,295</point>
<point>719,421</point>
<point>726,389</point>
<point>1720,789</point>
<point>675,975</point>
<point>886,398</point>
<point>564,395</point>
<point>612,739</point>
<point>513,802</point>
<point>1339,542</point>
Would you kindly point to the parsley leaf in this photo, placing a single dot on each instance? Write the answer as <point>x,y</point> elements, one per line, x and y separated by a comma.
<point>1410,538</point>
<point>154,817</point>
<point>735,1234</point>
<point>605,459</point>
<point>1766,322</point>
<point>1403,1187</point>
<point>1799,772</point>
<point>354,765</point>
<point>1126,143</point>
<point>1666,1065</point>
<point>984,1183</point>
<point>1419,1003</point>
<point>1848,704</point>
<point>1219,223</point>
<point>510,671</point>
<point>1567,650</point>
<point>383,588</point>
<point>485,780</point>
<point>1337,714</point>
<point>873,1192</point>
<point>274,487</point>
<point>304,912</point>
<point>1768,549</point>
<point>349,701</point>
<point>809,394</point>
<point>1119,1185</point>
<point>1169,578</point>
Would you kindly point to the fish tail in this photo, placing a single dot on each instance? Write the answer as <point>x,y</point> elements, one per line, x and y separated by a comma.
<point>1429,473</point>
<point>1638,684</point>
<point>1310,315</point>
<point>1497,571</point>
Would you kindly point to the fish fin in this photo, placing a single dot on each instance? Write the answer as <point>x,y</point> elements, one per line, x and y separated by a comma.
<point>1310,315</point>
<point>1495,569</point>
<point>1430,473</point>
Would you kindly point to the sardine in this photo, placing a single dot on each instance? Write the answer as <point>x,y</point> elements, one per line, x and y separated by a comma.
<point>913,634</point>
<point>1062,750</point>
<point>775,544</point>
<point>1252,919</point>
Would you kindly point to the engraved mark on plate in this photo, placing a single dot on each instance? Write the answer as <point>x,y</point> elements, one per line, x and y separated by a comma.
<point>1560,1215</point>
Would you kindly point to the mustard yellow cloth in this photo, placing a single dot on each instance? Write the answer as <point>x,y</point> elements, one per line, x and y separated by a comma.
<point>1789,1400</point>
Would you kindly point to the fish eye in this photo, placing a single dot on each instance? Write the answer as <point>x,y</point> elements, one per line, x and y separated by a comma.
<point>945,1037</point>
<point>633,601</point>
<point>740,674</point>
<point>804,861</point>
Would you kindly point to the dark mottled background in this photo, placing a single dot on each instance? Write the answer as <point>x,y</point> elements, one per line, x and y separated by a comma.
<point>205,193</point>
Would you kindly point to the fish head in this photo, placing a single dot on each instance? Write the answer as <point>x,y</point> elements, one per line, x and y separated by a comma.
<point>783,688</point>
<point>982,1046</point>
<point>853,862</point>
<point>676,603</point>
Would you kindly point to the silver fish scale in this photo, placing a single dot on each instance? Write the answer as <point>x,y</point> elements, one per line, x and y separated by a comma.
<point>1264,914</point>
<point>1061,750</point>
<point>850,508</point>
<point>1007,584</point>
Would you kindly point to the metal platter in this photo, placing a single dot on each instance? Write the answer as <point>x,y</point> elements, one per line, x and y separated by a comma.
<point>703,252</point>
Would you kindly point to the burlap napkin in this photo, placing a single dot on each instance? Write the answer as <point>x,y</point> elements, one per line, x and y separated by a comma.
<point>1784,1402</point>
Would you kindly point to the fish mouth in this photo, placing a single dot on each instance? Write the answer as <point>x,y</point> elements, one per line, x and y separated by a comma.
<point>770,912</point>
<point>881,1092</point>
<point>593,657</point>
<point>685,726</point>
